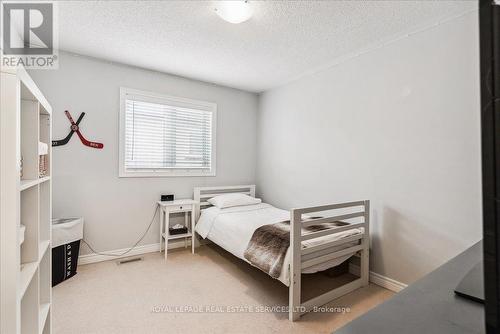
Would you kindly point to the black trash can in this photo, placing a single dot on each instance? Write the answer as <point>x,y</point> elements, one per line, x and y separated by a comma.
<point>66,236</point>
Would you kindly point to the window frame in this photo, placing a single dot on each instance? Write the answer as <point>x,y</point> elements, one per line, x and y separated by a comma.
<point>164,172</point>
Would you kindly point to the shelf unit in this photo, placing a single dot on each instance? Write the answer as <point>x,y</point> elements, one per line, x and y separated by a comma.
<point>25,207</point>
<point>177,236</point>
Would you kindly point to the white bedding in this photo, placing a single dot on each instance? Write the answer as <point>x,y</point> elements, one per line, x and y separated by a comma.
<point>232,229</point>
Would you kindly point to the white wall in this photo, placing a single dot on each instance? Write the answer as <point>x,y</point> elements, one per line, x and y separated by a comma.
<point>399,126</point>
<point>85,180</point>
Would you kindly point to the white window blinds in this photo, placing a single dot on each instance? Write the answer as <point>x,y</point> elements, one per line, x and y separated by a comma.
<point>164,135</point>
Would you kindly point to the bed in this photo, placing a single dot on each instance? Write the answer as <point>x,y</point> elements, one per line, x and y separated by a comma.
<point>308,249</point>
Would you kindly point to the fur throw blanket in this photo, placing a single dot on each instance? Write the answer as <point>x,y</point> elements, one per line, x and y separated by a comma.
<point>269,243</point>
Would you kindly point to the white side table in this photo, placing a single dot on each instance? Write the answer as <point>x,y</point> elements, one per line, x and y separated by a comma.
<point>177,206</point>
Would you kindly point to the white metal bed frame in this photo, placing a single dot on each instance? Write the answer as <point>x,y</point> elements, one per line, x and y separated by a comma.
<point>311,256</point>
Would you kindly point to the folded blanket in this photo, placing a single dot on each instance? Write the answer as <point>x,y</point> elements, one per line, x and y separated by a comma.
<point>267,248</point>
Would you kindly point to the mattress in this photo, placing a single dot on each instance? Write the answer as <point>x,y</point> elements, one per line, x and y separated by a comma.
<point>232,229</point>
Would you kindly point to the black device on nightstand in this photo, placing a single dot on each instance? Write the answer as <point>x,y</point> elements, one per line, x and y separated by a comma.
<point>167,198</point>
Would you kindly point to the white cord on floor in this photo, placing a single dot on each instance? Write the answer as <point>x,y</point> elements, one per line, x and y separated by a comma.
<point>128,250</point>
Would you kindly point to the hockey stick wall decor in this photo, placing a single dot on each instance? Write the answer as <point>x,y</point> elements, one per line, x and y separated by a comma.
<point>70,134</point>
<point>75,128</point>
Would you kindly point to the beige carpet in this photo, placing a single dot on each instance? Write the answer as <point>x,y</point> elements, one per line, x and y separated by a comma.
<point>132,298</point>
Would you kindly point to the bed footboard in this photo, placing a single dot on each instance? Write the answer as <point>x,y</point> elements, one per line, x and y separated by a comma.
<point>307,257</point>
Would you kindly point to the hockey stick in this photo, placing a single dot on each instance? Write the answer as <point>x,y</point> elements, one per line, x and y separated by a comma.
<point>65,140</point>
<point>84,141</point>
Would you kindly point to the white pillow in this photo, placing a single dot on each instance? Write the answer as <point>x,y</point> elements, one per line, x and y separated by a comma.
<point>230,200</point>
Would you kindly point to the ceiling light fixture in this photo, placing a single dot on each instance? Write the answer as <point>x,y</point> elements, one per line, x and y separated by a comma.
<point>234,11</point>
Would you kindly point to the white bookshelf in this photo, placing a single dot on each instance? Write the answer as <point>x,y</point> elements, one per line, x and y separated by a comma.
<point>25,207</point>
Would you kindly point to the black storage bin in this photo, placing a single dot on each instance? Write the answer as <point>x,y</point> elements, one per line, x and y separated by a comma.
<point>66,236</point>
<point>64,261</point>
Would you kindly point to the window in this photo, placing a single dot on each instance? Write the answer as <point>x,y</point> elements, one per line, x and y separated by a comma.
<point>165,136</point>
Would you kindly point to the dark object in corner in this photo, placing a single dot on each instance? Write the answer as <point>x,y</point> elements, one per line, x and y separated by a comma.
<point>167,198</point>
<point>427,306</point>
<point>489,37</point>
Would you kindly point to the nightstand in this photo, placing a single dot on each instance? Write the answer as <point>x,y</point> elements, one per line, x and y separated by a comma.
<point>177,206</point>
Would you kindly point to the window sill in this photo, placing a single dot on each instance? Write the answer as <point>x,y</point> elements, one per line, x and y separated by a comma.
<point>166,174</point>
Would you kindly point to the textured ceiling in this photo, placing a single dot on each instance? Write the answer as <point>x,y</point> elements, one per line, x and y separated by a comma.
<point>281,42</point>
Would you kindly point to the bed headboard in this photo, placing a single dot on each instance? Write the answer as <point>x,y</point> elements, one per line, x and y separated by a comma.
<point>203,194</point>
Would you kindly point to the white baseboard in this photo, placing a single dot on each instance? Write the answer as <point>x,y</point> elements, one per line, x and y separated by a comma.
<point>93,258</point>
<point>375,278</point>
<point>379,280</point>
